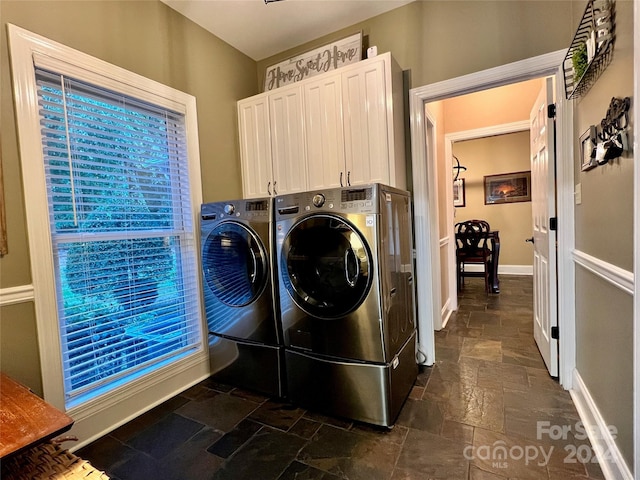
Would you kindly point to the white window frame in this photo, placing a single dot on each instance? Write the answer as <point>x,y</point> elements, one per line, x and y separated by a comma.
<point>123,403</point>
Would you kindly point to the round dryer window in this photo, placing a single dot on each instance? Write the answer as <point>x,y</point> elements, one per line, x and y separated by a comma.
<point>234,264</point>
<point>327,265</point>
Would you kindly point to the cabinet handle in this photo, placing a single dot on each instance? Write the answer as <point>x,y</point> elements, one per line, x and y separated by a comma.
<point>269,188</point>
<point>275,192</point>
<point>341,180</point>
<point>349,178</point>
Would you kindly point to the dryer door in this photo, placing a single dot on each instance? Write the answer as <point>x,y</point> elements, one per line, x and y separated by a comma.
<point>235,270</point>
<point>327,265</point>
<point>235,264</point>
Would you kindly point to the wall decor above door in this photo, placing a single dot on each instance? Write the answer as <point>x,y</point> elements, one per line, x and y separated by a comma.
<point>323,59</point>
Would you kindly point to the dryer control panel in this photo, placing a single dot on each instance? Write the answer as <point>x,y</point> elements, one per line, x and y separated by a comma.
<point>339,200</point>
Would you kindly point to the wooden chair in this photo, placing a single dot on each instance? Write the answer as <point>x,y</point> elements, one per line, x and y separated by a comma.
<point>472,247</point>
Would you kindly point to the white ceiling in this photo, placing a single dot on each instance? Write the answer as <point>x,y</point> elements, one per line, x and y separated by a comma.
<point>261,30</point>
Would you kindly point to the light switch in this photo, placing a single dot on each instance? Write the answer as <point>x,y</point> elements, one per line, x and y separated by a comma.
<point>578,193</point>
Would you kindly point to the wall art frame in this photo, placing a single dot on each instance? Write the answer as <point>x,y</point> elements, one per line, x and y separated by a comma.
<point>507,188</point>
<point>588,149</point>
<point>459,198</point>
<point>329,57</point>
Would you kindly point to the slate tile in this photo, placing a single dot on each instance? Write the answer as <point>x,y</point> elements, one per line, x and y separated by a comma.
<point>300,471</point>
<point>106,453</point>
<point>165,435</point>
<point>231,441</point>
<point>191,460</point>
<point>266,456</point>
<point>135,426</point>
<point>425,455</point>
<point>348,454</point>
<point>305,428</point>
<point>222,412</point>
<point>277,415</point>
<point>422,415</point>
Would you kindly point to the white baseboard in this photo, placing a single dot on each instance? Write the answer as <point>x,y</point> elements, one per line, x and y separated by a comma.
<point>611,461</point>
<point>504,269</point>
<point>445,314</point>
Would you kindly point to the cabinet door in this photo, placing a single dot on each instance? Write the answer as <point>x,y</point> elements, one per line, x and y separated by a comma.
<point>324,132</point>
<point>364,95</point>
<point>287,141</point>
<point>255,147</point>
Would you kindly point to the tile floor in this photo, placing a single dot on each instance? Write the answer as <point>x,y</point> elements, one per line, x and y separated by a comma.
<point>482,412</point>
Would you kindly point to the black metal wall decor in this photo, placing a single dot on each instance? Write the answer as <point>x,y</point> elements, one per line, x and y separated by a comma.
<point>607,141</point>
<point>612,134</point>
<point>591,50</point>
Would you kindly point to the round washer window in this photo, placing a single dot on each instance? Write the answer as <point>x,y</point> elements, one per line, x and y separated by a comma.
<point>234,264</point>
<point>326,265</point>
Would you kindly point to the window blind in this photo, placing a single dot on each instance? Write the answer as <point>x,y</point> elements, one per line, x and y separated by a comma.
<point>121,230</point>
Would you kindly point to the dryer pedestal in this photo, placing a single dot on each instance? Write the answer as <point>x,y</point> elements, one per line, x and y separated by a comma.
<point>248,365</point>
<point>367,392</point>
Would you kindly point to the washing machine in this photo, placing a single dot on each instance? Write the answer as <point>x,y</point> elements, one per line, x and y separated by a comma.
<point>245,343</point>
<point>347,308</point>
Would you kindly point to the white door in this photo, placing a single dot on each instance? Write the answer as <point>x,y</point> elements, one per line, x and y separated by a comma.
<point>364,103</point>
<point>545,314</point>
<point>287,141</point>
<point>255,147</point>
<point>324,132</point>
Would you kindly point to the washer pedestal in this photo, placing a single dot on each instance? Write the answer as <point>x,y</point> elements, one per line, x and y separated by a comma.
<point>367,392</point>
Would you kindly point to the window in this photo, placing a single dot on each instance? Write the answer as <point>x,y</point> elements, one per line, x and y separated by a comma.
<point>112,190</point>
<point>120,228</point>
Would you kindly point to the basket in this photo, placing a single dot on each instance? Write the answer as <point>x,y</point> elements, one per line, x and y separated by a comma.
<point>48,461</point>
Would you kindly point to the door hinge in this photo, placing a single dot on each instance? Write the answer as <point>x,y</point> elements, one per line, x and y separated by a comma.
<point>551,110</point>
<point>553,223</point>
<point>555,333</point>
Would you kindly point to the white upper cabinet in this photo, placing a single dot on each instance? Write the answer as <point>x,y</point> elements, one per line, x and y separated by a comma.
<point>288,150</point>
<point>341,128</point>
<point>272,143</point>
<point>255,146</point>
<point>325,135</point>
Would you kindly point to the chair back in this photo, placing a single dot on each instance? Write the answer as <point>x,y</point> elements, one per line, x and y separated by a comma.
<point>471,236</point>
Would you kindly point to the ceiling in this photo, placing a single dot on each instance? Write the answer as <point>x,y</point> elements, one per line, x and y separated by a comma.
<point>260,30</point>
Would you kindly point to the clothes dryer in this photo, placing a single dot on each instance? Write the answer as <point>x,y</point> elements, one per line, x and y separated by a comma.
<point>346,295</point>
<point>237,279</point>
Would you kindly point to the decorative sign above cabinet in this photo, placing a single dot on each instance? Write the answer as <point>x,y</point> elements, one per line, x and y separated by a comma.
<point>321,60</point>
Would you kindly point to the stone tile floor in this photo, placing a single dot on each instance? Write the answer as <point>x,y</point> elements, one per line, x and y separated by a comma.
<point>483,411</point>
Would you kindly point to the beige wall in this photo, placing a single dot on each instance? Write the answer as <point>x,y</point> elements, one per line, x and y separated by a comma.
<point>148,38</point>
<point>437,40</point>
<point>604,229</point>
<point>490,156</point>
<point>497,106</point>
<point>434,40</point>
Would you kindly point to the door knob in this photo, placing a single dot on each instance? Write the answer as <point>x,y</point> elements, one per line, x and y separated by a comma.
<point>530,240</point>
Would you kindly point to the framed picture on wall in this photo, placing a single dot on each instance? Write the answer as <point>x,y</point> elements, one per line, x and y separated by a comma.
<point>588,150</point>
<point>507,188</point>
<point>458,193</point>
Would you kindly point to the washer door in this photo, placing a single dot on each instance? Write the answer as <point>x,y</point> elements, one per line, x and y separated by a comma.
<point>326,265</point>
<point>234,264</point>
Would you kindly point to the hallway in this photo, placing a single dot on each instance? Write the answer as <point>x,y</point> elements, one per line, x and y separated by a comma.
<point>486,410</point>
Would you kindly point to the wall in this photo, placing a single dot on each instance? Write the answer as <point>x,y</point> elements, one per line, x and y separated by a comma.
<point>148,38</point>
<point>604,231</point>
<point>489,156</point>
<point>437,40</point>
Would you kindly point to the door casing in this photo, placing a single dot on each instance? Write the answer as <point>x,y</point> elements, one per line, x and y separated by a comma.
<point>426,198</point>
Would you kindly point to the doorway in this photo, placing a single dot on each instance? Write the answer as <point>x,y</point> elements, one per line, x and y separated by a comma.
<point>426,213</point>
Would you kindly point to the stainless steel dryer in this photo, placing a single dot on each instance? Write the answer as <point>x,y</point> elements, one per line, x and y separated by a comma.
<point>244,341</point>
<point>346,300</point>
